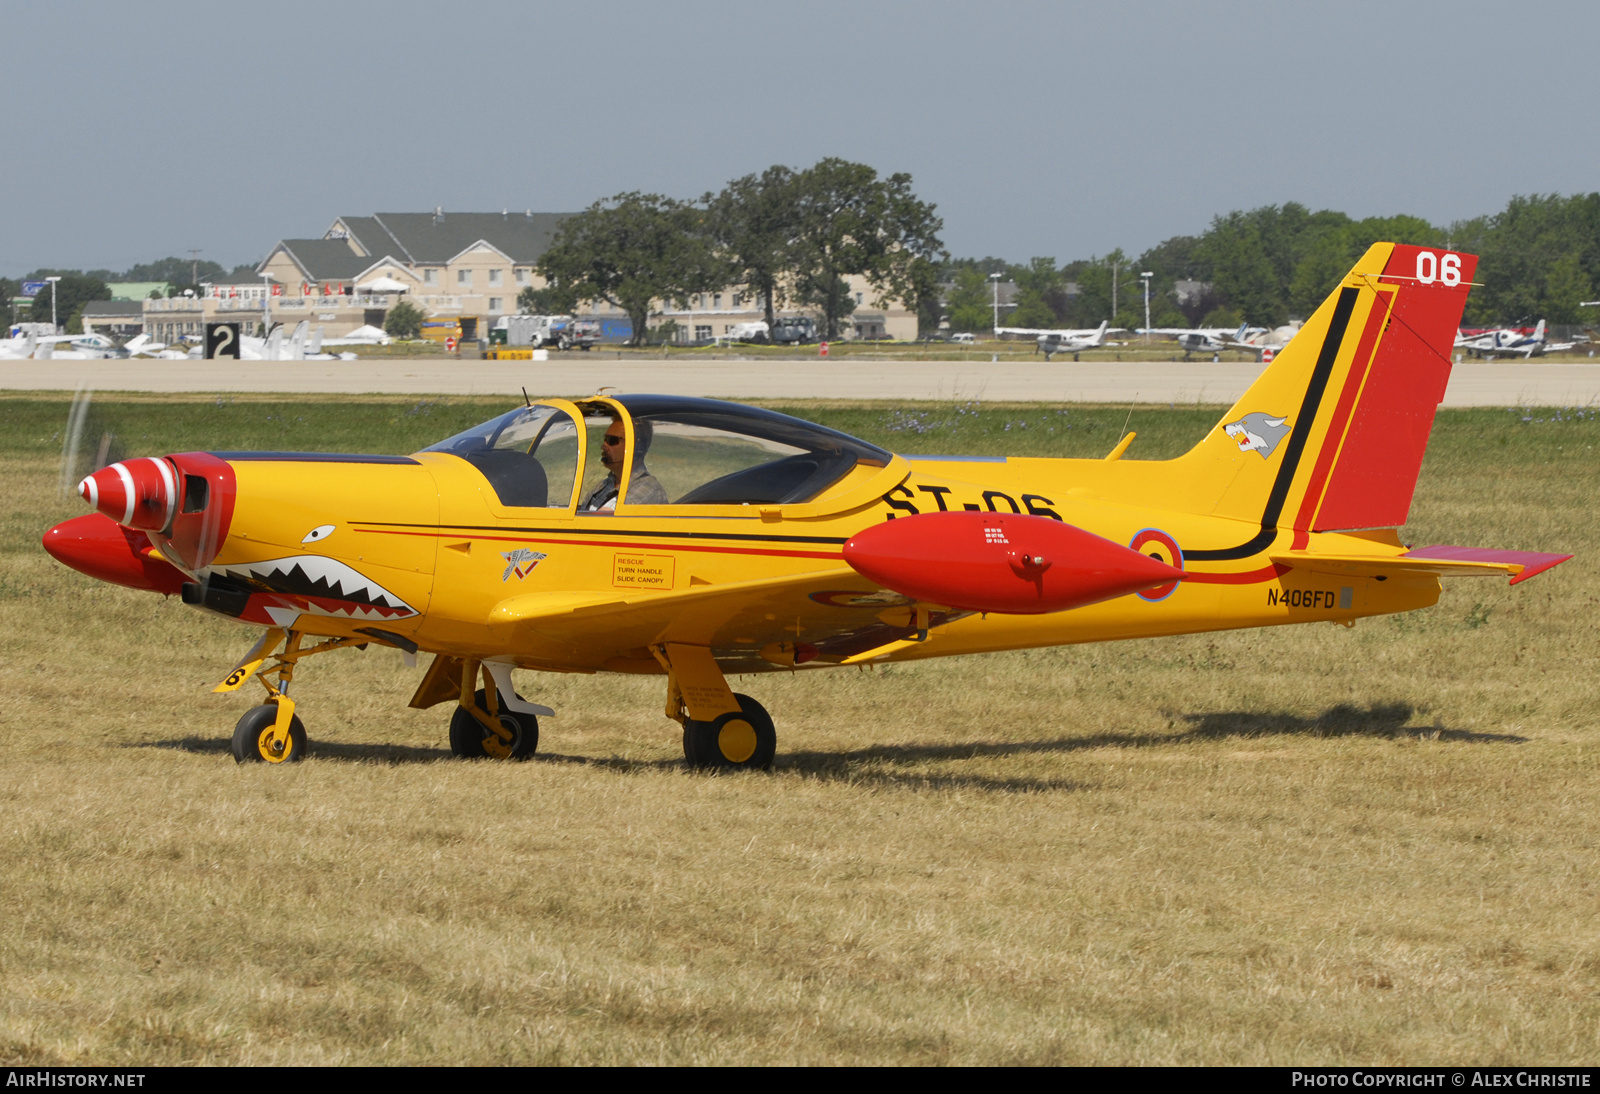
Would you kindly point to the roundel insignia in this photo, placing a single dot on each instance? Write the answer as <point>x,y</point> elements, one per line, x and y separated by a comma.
<point>1163,548</point>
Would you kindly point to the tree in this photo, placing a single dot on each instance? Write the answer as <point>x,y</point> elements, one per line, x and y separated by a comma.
<point>532,301</point>
<point>754,224</point>
<point>1032,310</point>
<point>72,292</point>
<point>850,222</point>
<point>1094,301</point>
<point>1535,256</point>
<point>178,271</point>
<point>1041,295</point>
<point>1242,270</point>
<point>630,251</point>
<point>925,295</point>
<point>404,321</point>
<point>1565,287</point>
<point>969,305</point>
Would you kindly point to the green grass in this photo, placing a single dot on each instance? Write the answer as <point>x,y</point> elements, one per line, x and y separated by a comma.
<point>1297,845</point>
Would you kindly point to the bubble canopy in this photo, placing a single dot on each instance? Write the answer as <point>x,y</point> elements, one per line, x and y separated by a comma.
<point>693,451</point>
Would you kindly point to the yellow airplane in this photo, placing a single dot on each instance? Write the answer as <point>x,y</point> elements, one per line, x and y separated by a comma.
<point>744,541</point>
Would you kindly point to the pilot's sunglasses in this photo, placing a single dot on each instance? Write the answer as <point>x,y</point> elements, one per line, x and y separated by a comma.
<point>613,441</point>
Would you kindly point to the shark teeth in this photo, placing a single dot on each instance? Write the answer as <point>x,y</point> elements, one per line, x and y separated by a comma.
<point>328,586</point>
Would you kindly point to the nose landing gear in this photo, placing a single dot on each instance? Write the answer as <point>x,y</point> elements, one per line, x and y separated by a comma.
<point>272,732</point>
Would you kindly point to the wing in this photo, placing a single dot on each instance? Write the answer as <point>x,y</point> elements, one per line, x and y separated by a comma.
<point>1087,332</point>
<point>826,616</point>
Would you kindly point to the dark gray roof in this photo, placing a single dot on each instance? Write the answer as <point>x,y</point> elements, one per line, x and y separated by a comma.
<point>422,237</point>
<point>97,309</point>
<point>328,259</point>
<point>369,236</point>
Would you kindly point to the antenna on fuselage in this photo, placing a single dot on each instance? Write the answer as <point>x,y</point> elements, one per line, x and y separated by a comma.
<point>525,400</point>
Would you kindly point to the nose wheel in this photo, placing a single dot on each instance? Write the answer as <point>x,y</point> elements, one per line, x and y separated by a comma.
<point>256,738</point>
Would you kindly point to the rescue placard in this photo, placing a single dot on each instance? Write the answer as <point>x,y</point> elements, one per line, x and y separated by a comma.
<point>642,571</point>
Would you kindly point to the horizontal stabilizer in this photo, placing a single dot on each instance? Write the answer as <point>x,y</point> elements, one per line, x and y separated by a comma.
<point>1520,564</point>
<point>1439,561</point>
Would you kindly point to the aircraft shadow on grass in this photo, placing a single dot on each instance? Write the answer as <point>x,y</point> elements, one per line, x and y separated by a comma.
<point>877,764</point>
<point>1387,720</point>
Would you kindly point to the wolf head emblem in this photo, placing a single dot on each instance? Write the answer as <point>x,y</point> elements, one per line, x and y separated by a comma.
<point>1258,432</point>
<point>520,562</point>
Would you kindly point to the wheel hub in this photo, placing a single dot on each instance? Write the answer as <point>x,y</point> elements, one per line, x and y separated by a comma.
<point>736,740</point>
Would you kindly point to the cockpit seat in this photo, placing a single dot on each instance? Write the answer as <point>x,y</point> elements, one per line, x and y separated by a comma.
<point>518,478</point>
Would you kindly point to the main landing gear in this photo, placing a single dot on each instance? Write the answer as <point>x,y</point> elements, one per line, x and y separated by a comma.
<point>492,722</point>
<point>514,737</point>
<point>721,729</point>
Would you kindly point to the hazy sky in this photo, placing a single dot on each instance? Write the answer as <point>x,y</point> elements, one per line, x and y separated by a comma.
<point>1063,129</point>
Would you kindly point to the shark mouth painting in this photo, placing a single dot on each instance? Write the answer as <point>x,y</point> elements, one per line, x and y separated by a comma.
<point>306,584</point>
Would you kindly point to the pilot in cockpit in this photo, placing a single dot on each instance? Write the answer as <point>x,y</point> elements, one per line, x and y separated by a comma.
<point>643,487</point>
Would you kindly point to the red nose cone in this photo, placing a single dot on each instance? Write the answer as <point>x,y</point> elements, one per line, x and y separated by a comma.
<point>140,493</point>
<point>96,545</point>
<point>992,562</point>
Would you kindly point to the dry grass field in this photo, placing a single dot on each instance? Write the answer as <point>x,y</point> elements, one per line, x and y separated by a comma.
<point>1300,845</point>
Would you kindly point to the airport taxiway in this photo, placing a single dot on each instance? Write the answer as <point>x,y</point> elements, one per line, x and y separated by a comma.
<point>1472,383</point>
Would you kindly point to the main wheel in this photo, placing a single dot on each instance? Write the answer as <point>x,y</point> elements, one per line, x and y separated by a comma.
<point>741,741</point>
<point>252,737</point>
<point>469,737</point>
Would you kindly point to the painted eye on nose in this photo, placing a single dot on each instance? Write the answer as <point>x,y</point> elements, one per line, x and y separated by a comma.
<point>320,532</point>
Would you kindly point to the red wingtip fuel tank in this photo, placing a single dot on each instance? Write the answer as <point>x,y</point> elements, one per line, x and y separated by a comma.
<point>992,562</point>
<point>100,547</point>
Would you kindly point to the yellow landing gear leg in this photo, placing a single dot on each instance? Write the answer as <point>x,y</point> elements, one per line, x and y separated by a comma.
<point>721,729</point>
<point>482,726</point>
<point>272,732</point>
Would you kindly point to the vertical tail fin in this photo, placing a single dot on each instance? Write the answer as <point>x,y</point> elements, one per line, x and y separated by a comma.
<point>1331,435</point>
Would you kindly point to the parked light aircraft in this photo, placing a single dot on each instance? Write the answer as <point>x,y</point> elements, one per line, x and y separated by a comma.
<point>1509,341</point>
<point>746,541</point>
<point>1208,339</point>
<point>21,346</point>
<point>79,347</point>
<point>1052,342</point>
